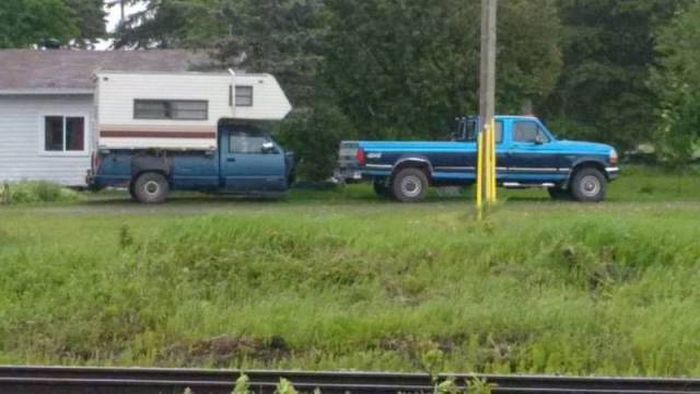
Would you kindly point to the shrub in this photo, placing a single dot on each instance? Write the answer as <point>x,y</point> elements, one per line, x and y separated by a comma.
<point>34,192</point>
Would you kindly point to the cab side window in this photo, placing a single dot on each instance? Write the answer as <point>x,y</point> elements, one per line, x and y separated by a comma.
<point>246,142</point>
<point>528,132</point>
<point>471,134</point>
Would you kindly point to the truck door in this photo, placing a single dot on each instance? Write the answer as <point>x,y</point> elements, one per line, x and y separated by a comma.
<point>251,161</point>
<point>530,160</point>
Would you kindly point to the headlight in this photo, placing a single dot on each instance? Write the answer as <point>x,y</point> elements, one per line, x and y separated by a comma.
<point>614,158</point>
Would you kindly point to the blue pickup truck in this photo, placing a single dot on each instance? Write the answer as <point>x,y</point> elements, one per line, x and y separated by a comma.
<point>528,155</point>
<point>246,161</point>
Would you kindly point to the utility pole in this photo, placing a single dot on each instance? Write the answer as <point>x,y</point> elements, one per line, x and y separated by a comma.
<point>486,176</point>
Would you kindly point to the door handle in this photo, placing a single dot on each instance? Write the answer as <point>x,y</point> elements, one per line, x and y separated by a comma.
<point>231,159</point>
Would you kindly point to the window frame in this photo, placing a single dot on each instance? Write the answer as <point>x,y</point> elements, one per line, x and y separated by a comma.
<point>267,138</point>
<point>540,131</point>
<point>169,109</point>
<point>498,141</point>
<point>252,96</point>
<point>87,134</point>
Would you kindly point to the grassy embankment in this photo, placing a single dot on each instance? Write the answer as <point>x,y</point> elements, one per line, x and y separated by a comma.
<point>338,280</point>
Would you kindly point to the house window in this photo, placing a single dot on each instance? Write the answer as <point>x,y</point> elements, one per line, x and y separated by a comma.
<point>171,109</point>
<point>244,96</point>
<point>64,134</point>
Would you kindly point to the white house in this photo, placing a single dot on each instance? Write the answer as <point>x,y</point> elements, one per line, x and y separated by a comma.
<point>57,106</point>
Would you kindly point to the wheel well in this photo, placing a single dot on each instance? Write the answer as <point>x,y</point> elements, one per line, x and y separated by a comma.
<point>138,174</point>
<point>421,165</point>
<point>589,164</point>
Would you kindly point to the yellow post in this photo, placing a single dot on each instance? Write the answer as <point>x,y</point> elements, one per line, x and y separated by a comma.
<point>494,163</point>
<point>487,163</point>
<point>479,172</point>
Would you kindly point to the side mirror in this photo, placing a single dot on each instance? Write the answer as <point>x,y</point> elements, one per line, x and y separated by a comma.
<point>268,147</point>
<point>540,139</point>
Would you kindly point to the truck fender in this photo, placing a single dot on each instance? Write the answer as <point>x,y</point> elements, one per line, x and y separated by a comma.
<point>151,162</point>
<point>413,161</point>
<point>586,162</point>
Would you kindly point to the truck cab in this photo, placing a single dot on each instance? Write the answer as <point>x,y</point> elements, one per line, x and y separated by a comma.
<point>527,153</point>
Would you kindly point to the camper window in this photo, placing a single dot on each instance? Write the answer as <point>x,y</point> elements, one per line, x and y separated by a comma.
<point>64,134</point>
<point>171,109</point>
<point>244,96</point>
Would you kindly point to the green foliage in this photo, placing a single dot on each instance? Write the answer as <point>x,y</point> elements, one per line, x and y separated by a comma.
<point>341,280</point>
<point>285,387</point>
<point>676,80</point>
<point>608,49</point>
<point>406,69</point>
<point>480,386</point>
<point>174,24</point>
<point>314,137</point>
<point>25,23</point>
<point>34,192</point>
<point>242,385</point>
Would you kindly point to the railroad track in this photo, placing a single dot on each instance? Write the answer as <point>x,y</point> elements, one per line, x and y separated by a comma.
<point>68,380</point>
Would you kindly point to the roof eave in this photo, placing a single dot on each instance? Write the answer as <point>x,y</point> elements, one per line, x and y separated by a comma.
<point>44,92</point>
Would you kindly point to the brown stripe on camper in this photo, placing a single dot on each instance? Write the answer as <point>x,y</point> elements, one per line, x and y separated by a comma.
<point>156,134</point>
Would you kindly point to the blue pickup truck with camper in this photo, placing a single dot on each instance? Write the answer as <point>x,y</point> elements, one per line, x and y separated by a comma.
<point>247,162</point>
<point>158,132</point>
<point>528,155</point>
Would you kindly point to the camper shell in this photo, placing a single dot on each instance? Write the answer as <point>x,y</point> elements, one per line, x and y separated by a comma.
<point>180,111</point>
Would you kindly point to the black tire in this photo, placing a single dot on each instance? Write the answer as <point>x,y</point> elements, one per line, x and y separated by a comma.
<point>588,185</point>
<point>382,189</point>
<point>559,194</point>
<point>151,188</point>
<point>132,193</point>
<point>410,185</point>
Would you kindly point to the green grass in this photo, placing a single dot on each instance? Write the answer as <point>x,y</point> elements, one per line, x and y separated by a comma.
<point>35,192</point>
<point>341,280</point>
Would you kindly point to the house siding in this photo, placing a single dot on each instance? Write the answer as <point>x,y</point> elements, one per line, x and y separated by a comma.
<point>21,139</point>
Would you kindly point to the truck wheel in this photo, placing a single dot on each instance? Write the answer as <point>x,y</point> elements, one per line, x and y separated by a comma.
<point>559,194</point>
<point>589,185</point>
<point>381,189</point>
<point>151,188</point>
<point>410,185</point>
<point>132,192</point>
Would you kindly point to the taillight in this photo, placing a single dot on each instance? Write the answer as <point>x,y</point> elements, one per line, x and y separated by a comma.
<point>96,161</point>
<point>361,157</point>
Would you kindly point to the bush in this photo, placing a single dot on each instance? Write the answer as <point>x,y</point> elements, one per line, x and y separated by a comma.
<point>34,192</point>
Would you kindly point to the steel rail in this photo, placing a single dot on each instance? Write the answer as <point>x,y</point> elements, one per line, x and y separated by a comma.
<point>78,380</point>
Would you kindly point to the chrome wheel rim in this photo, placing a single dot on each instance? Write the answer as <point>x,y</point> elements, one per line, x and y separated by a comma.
<point>590,186</point>
<point>151,188</point>
<point>411,186</point>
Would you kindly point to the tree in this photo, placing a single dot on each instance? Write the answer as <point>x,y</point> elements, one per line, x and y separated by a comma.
<point>174,24</point>
<point>406,69</point>
<point>24,23</point>
<point>276,36</point>
<point>89,16</point>
<point>676,79</point>
<point>609,48</point>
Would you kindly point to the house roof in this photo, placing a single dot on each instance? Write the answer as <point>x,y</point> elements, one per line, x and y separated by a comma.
<point>27,71</point>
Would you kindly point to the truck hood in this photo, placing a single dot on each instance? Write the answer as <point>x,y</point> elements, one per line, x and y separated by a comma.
<point>581,146</point>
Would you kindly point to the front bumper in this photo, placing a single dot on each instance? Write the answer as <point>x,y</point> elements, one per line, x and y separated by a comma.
<point>612,172</point>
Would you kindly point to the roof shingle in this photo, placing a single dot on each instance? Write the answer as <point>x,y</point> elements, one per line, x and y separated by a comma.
<point>47,70</point>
